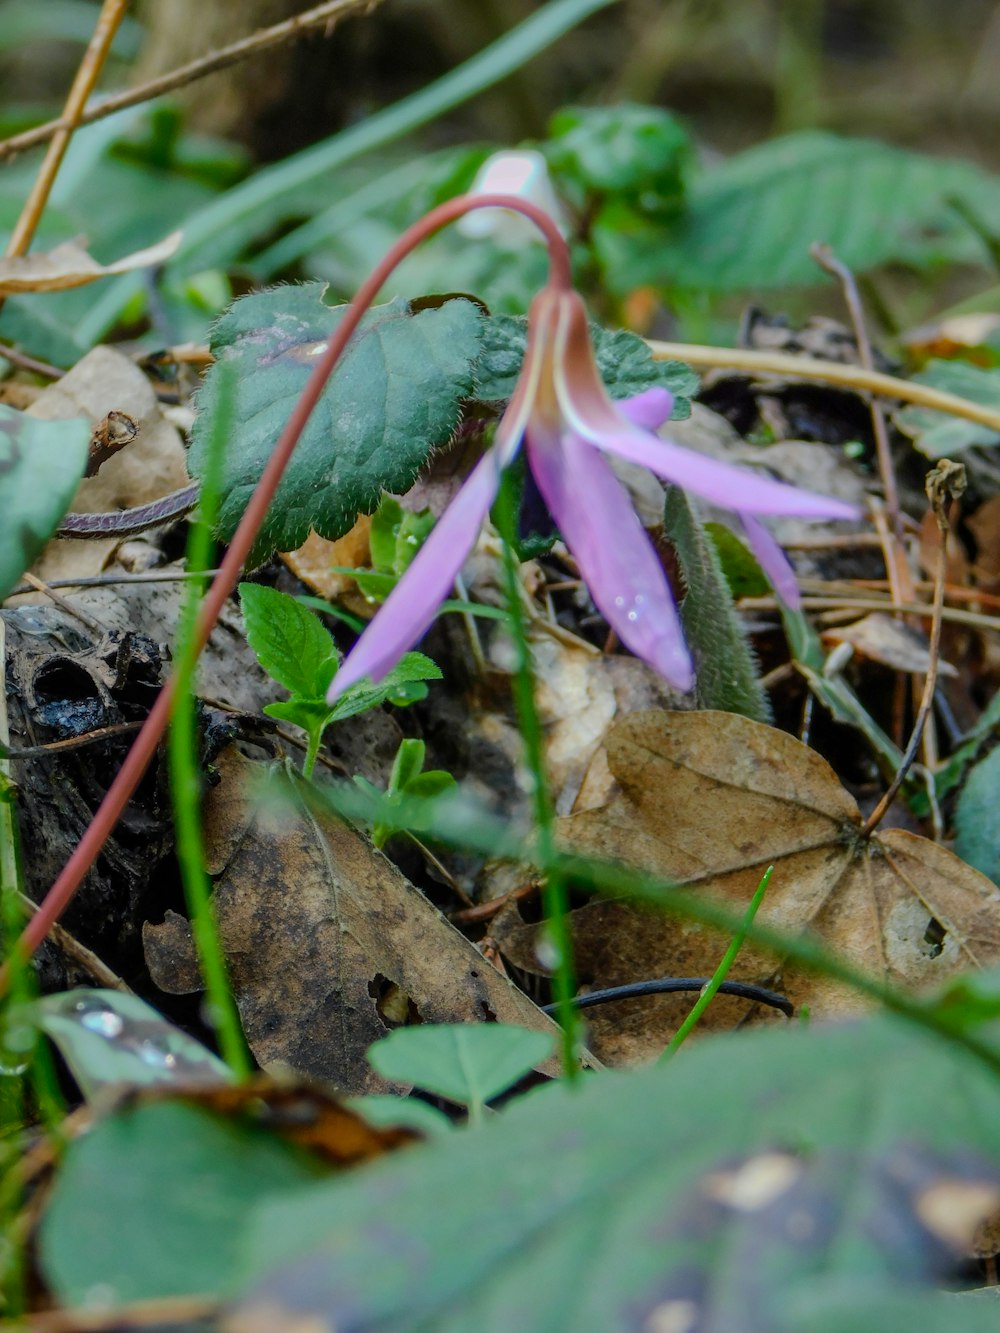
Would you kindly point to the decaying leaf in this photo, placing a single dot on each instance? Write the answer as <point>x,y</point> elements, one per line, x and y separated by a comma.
<point>104,381</point>
<point>325,938</point>
<point>69,265</point>
<point>883,639</point>
<point>709,800</point>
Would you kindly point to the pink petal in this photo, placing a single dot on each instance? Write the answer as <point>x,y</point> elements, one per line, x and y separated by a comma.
<point>615,556</point>
<point>407,612</point>
<point>772,561</point>
<point>649,409</point>
<point>722,484</point>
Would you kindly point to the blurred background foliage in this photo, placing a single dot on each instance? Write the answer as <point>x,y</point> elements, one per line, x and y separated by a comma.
<point>682,257</point>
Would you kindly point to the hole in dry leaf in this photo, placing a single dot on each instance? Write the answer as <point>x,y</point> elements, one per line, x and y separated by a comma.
<point>934,937</point>
<point>488,1015</point>
<point>394,1006</point>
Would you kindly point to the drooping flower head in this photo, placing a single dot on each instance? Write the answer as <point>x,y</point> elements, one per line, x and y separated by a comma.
<point>562,415</point>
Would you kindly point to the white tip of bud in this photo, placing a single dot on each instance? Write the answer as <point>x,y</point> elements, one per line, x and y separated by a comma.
<point>524,173</point>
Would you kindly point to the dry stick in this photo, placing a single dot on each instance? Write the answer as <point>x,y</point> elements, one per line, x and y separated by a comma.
<point>261,40</point>
<point>827,372</point>
<point>946,482</point>
<point>851,604</point>
<point>828,261</point>
<point>144,747</point>
<point>108,21</point>
<point>894,555</point>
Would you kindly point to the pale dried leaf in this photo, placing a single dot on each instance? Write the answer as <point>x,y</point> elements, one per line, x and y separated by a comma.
<point>881,638</point>
<point>69,265</point>
<point>709,800</point>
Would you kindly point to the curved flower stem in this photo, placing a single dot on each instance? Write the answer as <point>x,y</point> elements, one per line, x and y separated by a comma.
<point>144,747</point>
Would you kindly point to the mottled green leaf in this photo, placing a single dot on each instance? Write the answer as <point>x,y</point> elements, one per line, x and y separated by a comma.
<point>394,396</point>
<point>625,363</point>
<point>41,464</point>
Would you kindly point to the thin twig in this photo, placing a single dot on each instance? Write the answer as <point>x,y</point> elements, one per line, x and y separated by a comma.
<point>105,580</point>
<point>951,614</point>
<point>944,483</point>
<point>53,749</point>
<point>486,911</point>
<point>108,21</point>
<point>75,612</point>
<point>71,948</point>
<point>828,261</point>
<point>262,40</point>
<point>828,372</point>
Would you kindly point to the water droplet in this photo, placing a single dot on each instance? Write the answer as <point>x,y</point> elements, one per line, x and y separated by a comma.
<point>633,616</point>
<point>152,1053</point>
<point>619,601</point>
<point>105,1022</point>
<point>12,1065</point>
<point>547,953</point>
<point>317,349</point>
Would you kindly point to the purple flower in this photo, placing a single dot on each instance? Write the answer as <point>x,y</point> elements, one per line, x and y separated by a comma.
<point>561,411</point>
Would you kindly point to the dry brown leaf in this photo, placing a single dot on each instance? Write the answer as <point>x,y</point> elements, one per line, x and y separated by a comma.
<point>323,935</point>
<point>104,381</point>
<point>69,265</point>
<point>882,638</point>
<point>313,562</point>
<point>709,800</point>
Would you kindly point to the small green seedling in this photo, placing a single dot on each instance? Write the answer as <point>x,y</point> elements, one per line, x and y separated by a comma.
<point>406,779</point>
<point>466,1063</point>
<point>297,651</point>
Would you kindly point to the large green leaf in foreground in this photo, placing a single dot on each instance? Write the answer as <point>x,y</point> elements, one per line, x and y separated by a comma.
<point>748,1177</point>
<point>394,396</point>
<point>41,463</point>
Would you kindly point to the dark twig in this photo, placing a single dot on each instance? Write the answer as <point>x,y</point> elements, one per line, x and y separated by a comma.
<point>745,990</point>
<point>262,40</point>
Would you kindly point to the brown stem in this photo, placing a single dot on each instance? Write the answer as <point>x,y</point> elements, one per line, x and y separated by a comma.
<point>826,372</point>
<point>144,747</point>
<point>944,483</point>
<point>262,40</point>
<point>108,21</point>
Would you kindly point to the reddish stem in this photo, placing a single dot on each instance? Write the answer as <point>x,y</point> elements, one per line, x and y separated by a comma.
<point>144,747</point>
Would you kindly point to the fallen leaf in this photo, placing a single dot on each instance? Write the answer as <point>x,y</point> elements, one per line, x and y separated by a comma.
<point>881,638</point>
<point>320,930</point>
<point>69,265</point>
<point>709,800</point>
<point>105,381</point>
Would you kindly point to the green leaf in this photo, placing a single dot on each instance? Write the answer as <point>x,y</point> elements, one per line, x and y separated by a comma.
<point>394,396</point>
<point>740,570</point>
<point>977,835</point>
<point>622,150</point>
<point>412,668</point>
<point>385,1111</point>
<point>750,222</point>
<point>152,1201</point>
<point>623,1194</point>
<point>468,1063</point>
<point>407,764</point>
<point>41,464</point>
<point>939,435</point>
<point>431,783</point>
<point>110,1038</point>
<point>309,714</point>
<point>289,641</point>
<point>725,665</point>
<point>625,363</point>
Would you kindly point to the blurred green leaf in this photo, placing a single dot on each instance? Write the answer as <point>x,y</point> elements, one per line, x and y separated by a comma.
<point>467,1063</point>
<point>41,465</point>
<point>152,1201</point>
<point>110,1038</point>
<point>637,1190</point>
<point>939,435</point>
